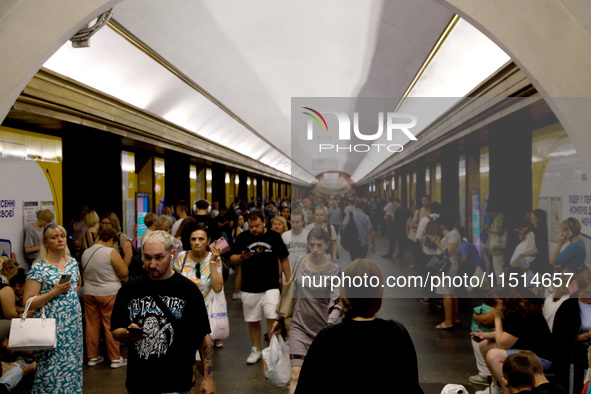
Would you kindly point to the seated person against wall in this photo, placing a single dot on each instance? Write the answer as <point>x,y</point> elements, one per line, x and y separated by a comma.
<point>587,381</point>
<point>527,242</point>
<point>13,364</point>
<point>11,295</point>
<point>519,325</point>
<point>573,256</point>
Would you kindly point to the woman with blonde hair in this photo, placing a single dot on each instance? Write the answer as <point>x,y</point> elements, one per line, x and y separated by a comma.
<point>279,224</point>
<point>54,280</point>
<point>91,235</point>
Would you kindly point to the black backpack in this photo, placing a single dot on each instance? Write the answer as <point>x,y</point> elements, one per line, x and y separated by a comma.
<point>350,235</point>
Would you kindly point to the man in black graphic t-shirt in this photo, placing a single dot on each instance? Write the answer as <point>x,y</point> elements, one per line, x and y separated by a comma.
<point>259,251</point>
<point>162,342</point>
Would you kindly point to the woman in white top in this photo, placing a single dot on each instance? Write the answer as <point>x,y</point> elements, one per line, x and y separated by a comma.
<point>103,270</point>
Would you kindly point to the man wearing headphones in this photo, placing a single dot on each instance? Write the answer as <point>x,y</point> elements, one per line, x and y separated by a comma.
<point>163,318</point>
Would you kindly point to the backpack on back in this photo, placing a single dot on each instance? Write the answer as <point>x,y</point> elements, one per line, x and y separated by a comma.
<point>350,235</point>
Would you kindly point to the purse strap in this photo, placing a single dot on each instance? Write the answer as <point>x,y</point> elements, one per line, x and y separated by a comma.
<point>297,268</point>
<point>184,261</point>
<point>28,306</point>
<point>91,256</point>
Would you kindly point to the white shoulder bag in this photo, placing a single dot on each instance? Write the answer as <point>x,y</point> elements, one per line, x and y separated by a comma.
<point>32,333</point>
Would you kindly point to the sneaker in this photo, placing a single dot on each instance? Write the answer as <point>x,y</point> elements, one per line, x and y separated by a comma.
<point>237,296</point>
<point>254,356</point>
<point>478,379</point>
<point>94,361</point>
<point>118,363</point>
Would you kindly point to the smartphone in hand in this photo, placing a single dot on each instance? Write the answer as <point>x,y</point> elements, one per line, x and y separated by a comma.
<point>65,278</point>
<point>476,338</point>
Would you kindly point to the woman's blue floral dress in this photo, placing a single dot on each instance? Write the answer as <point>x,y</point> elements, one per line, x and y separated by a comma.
<point>60,370</point>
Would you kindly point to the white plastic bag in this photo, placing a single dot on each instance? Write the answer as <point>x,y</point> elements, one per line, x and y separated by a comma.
<point>276,362</point>
<point>218,316</point>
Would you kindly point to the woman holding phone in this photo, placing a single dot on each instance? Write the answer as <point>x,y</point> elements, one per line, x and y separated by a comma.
<point>202,267</point>
<point>573,256</point>
<point>54,280</point>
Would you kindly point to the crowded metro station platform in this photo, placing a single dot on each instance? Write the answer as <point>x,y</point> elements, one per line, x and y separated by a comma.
<point>335,196</point>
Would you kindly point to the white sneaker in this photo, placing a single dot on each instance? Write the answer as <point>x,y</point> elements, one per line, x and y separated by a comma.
<point>254,356</point>
<point>237,296</point>
<point>94,361</point>
<point>118,363</point>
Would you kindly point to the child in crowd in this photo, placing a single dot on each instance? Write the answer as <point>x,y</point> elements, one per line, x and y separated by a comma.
<point>518,374</point>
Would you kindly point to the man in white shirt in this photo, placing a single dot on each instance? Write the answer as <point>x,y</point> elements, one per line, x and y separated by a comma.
<point>296,239</point>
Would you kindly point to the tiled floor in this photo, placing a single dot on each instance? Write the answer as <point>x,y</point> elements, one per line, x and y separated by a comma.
<point>443,356</point>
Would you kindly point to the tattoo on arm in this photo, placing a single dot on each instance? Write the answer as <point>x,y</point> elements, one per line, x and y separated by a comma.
<point>208,359</point>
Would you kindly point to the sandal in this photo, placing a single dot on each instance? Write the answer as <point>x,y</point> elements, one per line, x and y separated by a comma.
<point>442,326</point>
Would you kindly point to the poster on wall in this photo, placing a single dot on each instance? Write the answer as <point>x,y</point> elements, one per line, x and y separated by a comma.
<point>555,217</point>
<point>30,209</point>
<point>141,209</point>
<point>544,204</point>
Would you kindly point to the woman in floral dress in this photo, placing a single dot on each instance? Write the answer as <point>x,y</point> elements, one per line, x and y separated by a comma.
<point>202,267</point>
<point>58,370</point>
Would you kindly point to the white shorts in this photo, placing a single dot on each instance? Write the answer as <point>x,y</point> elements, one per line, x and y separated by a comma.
<point>257,306</point>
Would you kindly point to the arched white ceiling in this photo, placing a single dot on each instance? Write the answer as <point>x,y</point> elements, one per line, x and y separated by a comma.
<point>253,57</point>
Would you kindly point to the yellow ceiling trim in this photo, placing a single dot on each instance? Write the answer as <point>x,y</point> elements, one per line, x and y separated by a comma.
<point>452,23</point>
